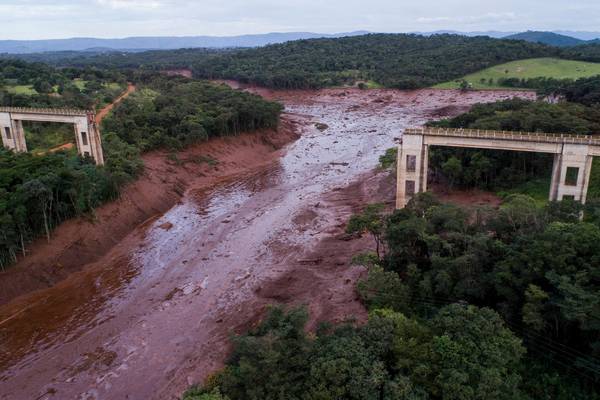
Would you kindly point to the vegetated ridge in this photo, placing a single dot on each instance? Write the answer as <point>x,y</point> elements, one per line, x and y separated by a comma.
<point>549,38</point>
<point>401,61</point>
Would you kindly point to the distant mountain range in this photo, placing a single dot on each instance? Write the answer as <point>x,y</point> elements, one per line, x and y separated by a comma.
<point>158,43</point>
<point>550,38</point>
<point>132,44</point>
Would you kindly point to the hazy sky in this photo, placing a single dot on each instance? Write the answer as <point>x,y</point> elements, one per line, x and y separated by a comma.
<point>31,19</point>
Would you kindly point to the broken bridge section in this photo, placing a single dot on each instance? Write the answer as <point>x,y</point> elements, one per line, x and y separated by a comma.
<point>87,135</point>
<point>573,155</point>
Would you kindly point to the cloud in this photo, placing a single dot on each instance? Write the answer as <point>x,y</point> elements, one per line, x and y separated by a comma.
<point>37,19</point>
<point>131,4</point>
<point>470,19</point>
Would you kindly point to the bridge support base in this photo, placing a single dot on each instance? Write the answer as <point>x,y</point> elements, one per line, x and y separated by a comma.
<point>571,173</point>
<point>412,169</point>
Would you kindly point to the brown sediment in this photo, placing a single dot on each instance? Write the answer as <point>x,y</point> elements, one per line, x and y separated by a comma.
<point>154,311</point>
<point>468,198</point>
<point>186,73</point>
<point>84,240</point>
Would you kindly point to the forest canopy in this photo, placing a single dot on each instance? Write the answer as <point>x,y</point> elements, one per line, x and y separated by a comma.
<point>37,193</point>
<point>500,305</point>
<point>392,60</point>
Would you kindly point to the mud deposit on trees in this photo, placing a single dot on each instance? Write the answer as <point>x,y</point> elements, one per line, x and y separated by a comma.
<point>154,313</point>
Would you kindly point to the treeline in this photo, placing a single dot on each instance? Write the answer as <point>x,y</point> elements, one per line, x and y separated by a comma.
<point>585,52</point>
<point>39,192</point>
<point>393,60</point>
<point>175,112</point>
<point>151,60</point>
<point>496,170</point>
<point>500,305</point>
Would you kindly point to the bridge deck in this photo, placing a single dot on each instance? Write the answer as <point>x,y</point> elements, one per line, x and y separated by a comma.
<point>506,135</point>
<point>47,111</point>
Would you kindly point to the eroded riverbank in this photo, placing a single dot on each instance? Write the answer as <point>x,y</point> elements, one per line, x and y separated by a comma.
<point>154,313</point>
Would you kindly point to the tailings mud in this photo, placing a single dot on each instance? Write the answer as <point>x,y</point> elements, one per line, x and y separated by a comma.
<point>155,312</point>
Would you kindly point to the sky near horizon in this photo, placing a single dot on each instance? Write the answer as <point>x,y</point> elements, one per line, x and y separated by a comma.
<point>52,19</point>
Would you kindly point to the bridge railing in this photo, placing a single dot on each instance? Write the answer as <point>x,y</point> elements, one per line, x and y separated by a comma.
<point>506,135</point>
<point>48,111</point>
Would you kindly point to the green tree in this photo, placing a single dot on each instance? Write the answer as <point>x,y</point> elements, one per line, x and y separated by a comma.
<point>372,220</point>
<point>453,169</point>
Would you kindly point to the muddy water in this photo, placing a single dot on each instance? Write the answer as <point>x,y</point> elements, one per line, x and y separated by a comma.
<point>155,313</point>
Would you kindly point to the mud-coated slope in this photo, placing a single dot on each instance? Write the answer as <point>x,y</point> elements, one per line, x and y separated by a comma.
<point>80,241</point>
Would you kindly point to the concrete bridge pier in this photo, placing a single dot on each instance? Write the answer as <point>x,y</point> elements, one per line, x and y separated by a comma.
<point>87,135</point>
<point>571,173</point>
<point>412,164</point>
<point>573,155</point>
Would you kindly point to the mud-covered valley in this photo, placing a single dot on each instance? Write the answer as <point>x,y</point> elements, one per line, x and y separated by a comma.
<point>148,295</point>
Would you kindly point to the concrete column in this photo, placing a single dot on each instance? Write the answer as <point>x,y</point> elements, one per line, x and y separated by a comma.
<point>424,168</point>
<point>19,135</point>
<point>96,144</point>
<point>574,161</point>
<point>6,131</point>
<point>555,180</point>
<point>412,167</point>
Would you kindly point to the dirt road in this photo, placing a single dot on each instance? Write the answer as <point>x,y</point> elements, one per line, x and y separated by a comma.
<point>155,313</point>
<point>104,112</point>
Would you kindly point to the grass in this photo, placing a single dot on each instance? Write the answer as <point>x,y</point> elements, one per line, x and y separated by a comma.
<point>79,83</point>
<point>114,86</point>
<point>530,68</point>
<point>27,90</point>
<point>538,189</point>
<point>372,85</point>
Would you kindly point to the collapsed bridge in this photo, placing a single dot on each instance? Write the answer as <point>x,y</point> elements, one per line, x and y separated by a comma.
<point>87,135</point>
<point>573,155</point>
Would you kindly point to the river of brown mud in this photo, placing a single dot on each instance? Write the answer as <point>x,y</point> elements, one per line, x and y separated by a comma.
<point>155,313</point>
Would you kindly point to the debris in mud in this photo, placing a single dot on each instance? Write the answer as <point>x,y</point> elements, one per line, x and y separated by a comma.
<point>99,358</point>
<point>321,126</point>
<point>343,164</point>
<point>313,261</point>
<point>172,294</point>
<point>166,226</point>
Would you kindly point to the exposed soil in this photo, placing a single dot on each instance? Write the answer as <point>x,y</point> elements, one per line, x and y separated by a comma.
<point>104,112</point>
<point>468,198</point>
<point>186,73</point>
<point>154,312</point>
<point>80,241</point>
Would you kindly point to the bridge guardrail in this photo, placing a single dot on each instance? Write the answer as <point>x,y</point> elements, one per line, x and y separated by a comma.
<point>506,135</point>
<point>50,111</point>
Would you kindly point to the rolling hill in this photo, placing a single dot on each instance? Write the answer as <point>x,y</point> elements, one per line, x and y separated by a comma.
<point>529,68</point>
<point>549,38</point>
<point>392,60</point>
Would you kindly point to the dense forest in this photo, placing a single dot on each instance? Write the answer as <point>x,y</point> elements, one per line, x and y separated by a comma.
<point>176,111</point>
<point>392,60</point>
<point>151,60</point>
<point>503,304</point>
<point>585,52</point>
<point>39,192</point>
